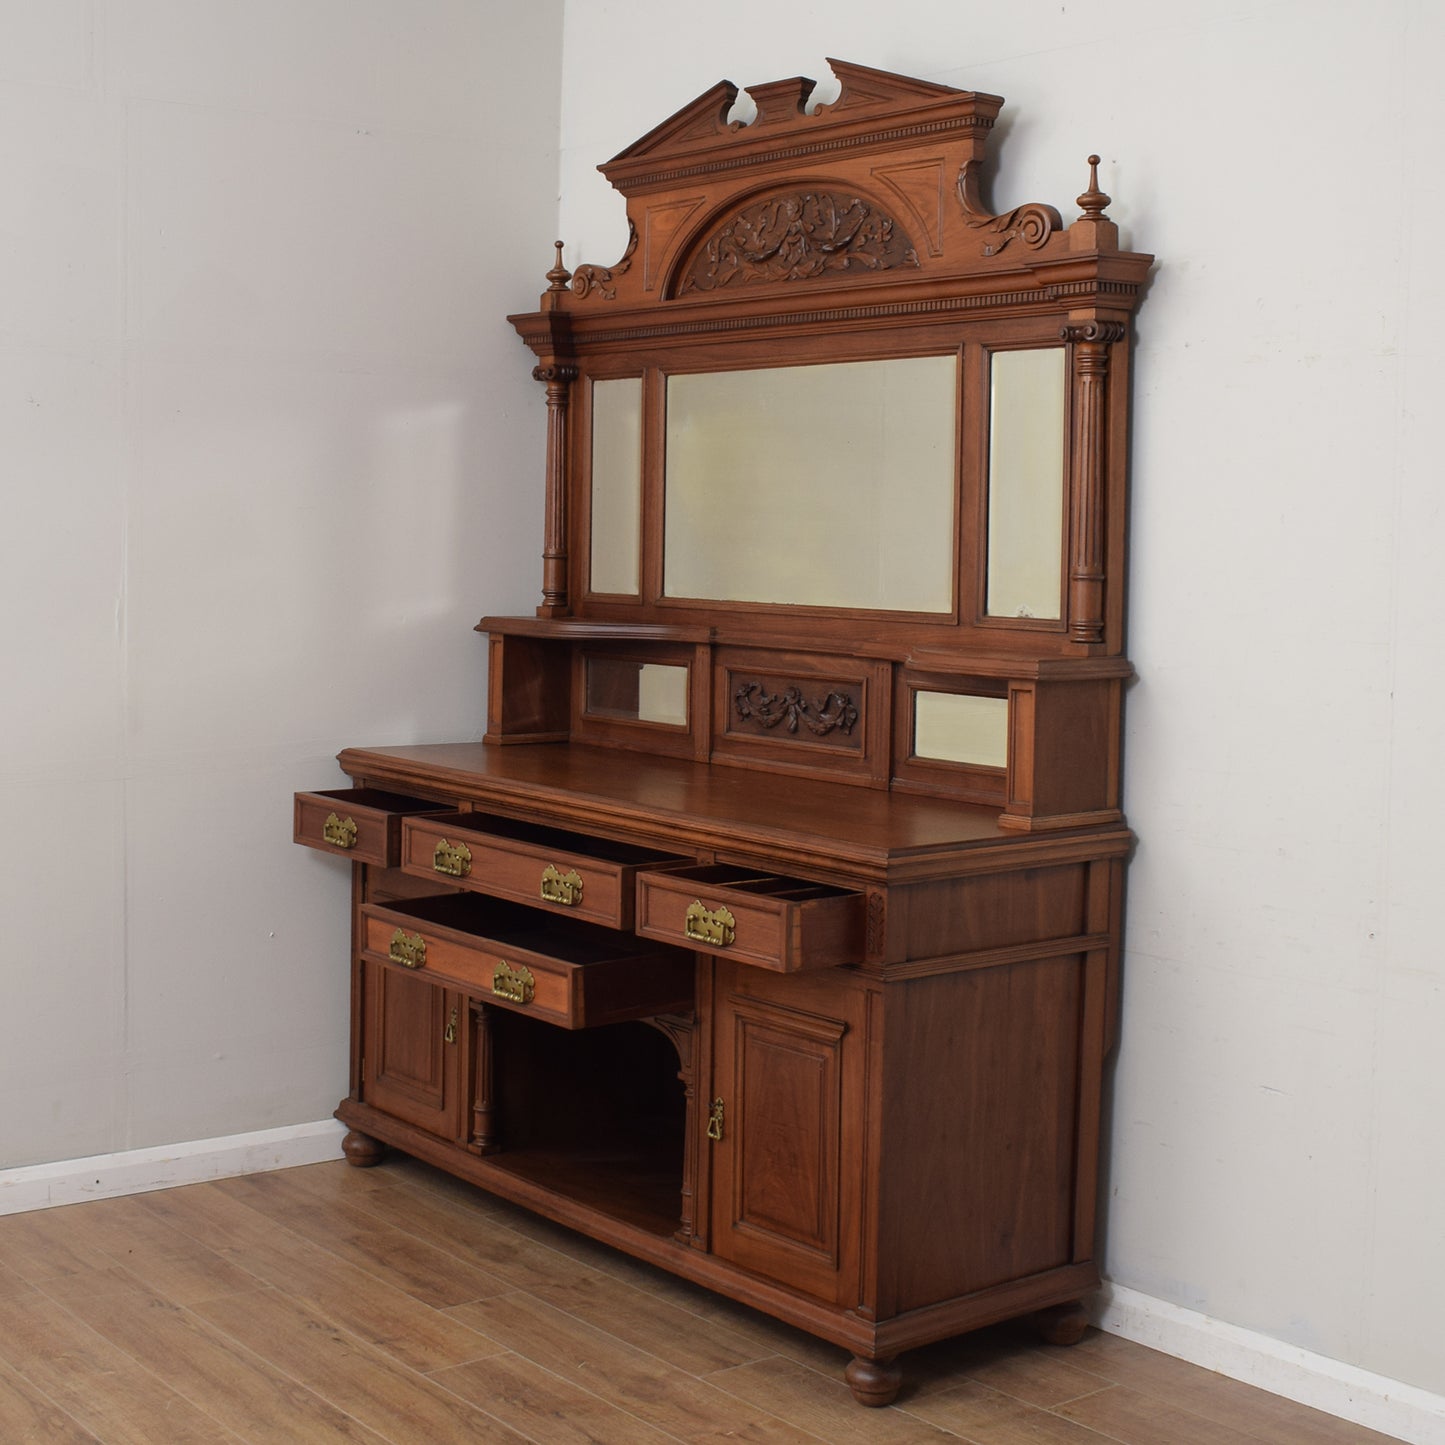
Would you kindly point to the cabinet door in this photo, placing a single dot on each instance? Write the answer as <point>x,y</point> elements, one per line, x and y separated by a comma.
<point>789,1060</point>
<point>413,1034</point>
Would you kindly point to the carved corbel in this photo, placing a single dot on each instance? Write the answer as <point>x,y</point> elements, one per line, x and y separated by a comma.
<point>1090,341</point>
<point>1032,224</point>
<point>600,281</point>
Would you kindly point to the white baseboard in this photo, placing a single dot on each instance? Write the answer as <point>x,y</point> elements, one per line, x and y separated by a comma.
<point>1375,1401</point>
<point>69,1181</point>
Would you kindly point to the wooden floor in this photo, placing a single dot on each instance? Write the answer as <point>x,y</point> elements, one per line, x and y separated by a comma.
<point>392,1304</point>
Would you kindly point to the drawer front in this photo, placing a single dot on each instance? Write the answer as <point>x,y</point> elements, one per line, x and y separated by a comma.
<point>363,824</point>
<point>491,954</point>
<point>767,920</point>
<point>546,868</point>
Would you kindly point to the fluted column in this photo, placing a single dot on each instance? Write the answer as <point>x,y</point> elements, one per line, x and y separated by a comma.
<point>1091,342</point>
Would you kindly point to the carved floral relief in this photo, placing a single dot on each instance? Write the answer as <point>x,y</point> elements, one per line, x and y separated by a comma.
<point>798,236</point>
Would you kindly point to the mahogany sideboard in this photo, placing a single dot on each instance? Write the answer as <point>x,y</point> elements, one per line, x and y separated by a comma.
<point>772,933</point>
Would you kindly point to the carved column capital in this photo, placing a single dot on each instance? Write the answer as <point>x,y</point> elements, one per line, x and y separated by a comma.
<point>1101,333</point>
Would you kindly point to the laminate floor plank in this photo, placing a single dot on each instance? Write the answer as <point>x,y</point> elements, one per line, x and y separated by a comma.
<point>96,1383</point>
<point>175,1264</point>
<point>823,1407</point>
<point>1137,1419</point>
<point>1215,1396</point>
<point>546,1407</point>
<point>986,1416</point>
<point>50,1242</point>
<point>664,1396</point>
<point>401,1405</point>
<point>371,1308</point>
<point>476,1237</point>
<point>420,1269</point>
<point>26,1415</point>
<point>201,1363</point>
<point>652,1324</point>
<point>328,1304</point>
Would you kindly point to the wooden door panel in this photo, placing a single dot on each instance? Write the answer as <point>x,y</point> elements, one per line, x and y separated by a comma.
<point>788,1079</point>
<point>410,1062</point>
<point>787,1172</point>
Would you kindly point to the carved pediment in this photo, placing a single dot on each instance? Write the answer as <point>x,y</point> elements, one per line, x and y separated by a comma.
<point>700,122</point>
<point>866,89</point>
<point>700,137</point>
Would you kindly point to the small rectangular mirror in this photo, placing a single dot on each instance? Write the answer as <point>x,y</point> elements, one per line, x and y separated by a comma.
<point>814,486</point>
<point>616,484</point>
<point>632,691</point>
<point>1026,483</point>
<point>953,727</point>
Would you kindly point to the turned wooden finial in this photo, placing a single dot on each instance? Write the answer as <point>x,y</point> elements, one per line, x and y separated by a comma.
<point>559,275</point>
<point>1093,201</point>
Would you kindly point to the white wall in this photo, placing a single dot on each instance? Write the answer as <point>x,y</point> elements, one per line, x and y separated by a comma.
<point>1275,1157</point>
<point>268,449</point>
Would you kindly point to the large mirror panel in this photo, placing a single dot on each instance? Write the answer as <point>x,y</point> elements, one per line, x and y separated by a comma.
<point>1026,483</point>
<point>818,486</point>
<point>616,484</point>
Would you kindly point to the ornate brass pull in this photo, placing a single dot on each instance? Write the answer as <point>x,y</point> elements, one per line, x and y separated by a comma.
<point>407,949</point>
<point>715,1122</point>
<point>450,1035</point>
<point>340,832</point>
<point>453,859</point>
<point>513,982</point>
<point>714,926</point>
<point>564,888</point>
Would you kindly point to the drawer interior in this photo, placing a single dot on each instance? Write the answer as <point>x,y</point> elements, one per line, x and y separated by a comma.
<point>751,880</point>
<point>513,926</point>
<point>380,801</point>
<point>560,840</point>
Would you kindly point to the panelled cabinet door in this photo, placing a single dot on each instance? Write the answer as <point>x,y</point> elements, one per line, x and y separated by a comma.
<point>414,1031</point>
<point>786,1130</point>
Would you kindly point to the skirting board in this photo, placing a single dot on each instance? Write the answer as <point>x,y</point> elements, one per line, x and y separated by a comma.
<point>69,1181</point>
<point>1379,1403</point>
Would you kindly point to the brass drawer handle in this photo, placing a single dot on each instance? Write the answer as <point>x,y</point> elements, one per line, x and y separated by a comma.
<point>513,983</point>
<point>407,949</point>
<point>449,1035</point>
<point>714,926</point>
<point>453,859</point>
<point>715,1122</point>
<point>340,832</point>
<point>564,888</point>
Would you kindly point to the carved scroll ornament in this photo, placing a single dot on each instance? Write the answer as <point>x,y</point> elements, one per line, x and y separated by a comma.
<point>790,708</point>
<point>1032,224</point>
<point>601,280</point>
<point>796,237</point>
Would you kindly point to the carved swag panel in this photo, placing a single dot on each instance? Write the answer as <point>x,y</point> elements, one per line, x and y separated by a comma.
<point>796,237</point>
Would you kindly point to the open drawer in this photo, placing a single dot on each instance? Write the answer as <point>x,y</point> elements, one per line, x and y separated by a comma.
<point>362,823</point>
<point>766,919</point>
<point>566,972</point>
<point>572,873</point>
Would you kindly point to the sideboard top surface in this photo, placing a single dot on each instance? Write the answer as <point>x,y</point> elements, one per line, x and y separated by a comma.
<point>732,809</point>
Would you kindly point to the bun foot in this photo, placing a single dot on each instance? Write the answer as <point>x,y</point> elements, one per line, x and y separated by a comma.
<point>362,1150</point>
<point>1061,1324</point>
<point>873,1382</point>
